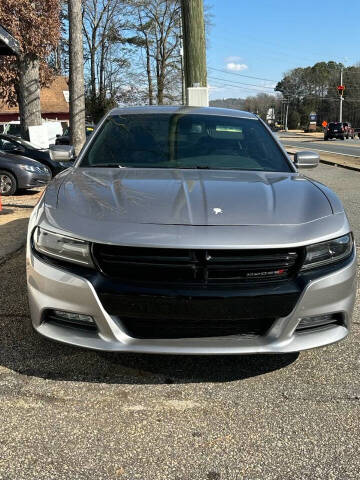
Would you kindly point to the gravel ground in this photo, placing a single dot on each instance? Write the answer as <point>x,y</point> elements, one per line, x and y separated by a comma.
<point>75,414</point>
<point>16,210</point>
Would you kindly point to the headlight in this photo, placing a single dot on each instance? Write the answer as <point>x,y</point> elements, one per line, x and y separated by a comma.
<point>62,247</point>
<point>328,252</point>
<point>32,169</point>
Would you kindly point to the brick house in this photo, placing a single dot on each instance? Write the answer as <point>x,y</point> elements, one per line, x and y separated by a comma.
<point>54,102</point>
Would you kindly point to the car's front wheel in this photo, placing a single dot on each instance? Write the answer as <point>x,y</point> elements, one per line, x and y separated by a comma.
<point>8,184</point>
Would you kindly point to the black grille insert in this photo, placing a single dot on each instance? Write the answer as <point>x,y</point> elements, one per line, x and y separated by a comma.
<point>161,265</point>
<point>193,328</point>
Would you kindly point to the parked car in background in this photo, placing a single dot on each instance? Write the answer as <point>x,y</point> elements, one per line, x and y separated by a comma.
<point>18,146</point>
<point>17,172</point>
<point>65,139</point>
<point>189,231</point>
<point>340,130</point>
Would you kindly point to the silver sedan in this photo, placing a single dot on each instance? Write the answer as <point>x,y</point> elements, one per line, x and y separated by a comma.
<point>189,231</point>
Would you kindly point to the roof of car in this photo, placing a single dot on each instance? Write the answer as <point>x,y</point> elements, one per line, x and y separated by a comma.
<point>225,112</point>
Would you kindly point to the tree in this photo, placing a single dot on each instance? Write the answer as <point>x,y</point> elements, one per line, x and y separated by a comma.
<point>158,22</point>
<point>315,89</point>
<point>77,93</point>
<point>105,26</point>
<point>261,103</point>
<point>35,25</point>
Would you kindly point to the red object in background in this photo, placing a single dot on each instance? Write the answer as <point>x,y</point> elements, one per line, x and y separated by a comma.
<point>324,124</point>
<point>341,88</point>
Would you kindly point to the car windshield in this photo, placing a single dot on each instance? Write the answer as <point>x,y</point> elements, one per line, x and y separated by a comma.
<point>88,131</point>
<point>185,141</point>
<point>25,143</point>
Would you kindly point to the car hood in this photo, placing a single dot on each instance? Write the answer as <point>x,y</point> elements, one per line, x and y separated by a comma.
<point>10,159</point>
<point>186,197</point>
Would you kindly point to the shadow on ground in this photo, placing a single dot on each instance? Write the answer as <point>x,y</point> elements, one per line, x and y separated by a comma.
<point>5,211</point>
<point>25,352</point>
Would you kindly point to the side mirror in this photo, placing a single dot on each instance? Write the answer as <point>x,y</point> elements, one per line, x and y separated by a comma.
<point>62,153</point>
<point>306,159</point>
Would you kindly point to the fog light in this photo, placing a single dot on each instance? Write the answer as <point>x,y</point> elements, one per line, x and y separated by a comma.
<point>319,321</point>
<point>77,318</point>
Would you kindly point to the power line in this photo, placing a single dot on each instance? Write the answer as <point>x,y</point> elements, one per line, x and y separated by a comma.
<point>287,96</point>
<point>241,83</point>
<point>242,75</point>
<point>233,84</point>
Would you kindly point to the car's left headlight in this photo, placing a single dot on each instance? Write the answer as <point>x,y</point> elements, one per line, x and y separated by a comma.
<point>62,247</point>
<point>328,252</point>
<point>32,169</point>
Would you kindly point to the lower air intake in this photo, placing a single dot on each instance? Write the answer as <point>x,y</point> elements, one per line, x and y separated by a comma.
<point>191,328</point>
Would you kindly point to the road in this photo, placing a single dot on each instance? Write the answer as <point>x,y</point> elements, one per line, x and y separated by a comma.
<point>74,414</point>
<point>348,147</point>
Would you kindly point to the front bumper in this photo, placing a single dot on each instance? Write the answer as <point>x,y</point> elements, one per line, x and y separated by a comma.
<point>51,287</point>
<point>33,180</point>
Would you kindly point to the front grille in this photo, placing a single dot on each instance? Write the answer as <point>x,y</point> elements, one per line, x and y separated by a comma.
<point>193,328</point>
<point>162,265</point>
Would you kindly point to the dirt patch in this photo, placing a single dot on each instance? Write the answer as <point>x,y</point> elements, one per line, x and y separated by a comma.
<point>25,198</point>
<point>13,228</point>
<point>14,218</point>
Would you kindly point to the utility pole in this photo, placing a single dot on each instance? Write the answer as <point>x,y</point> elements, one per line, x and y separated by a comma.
<point>341,97</point>
<point>76,87</point>
<point>183,88</point>
<point>286,115</point>
<point>194,52</point>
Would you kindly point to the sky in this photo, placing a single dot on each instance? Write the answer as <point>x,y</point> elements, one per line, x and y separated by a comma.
<point>266,38</point>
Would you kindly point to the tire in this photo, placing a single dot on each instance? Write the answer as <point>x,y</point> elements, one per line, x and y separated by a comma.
<point>342,138</point>
<point>8,183</point>
<point>347,137</point>
<point>326,139</point>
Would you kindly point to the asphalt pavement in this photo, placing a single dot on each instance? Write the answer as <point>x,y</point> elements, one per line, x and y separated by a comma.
<point>347,147</point>
<point>73,414</point>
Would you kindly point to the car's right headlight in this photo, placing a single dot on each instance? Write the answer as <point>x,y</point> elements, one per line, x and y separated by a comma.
<point>328,252</point>
<point>62,247</point>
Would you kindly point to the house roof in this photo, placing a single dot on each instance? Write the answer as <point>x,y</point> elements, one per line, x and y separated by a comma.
<point>8,44</point>
<point>52,98</point>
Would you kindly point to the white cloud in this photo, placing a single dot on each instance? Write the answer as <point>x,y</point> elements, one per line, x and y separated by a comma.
<point>236,67</point>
